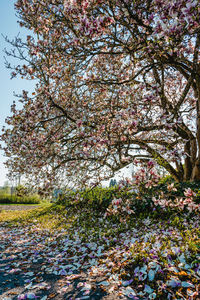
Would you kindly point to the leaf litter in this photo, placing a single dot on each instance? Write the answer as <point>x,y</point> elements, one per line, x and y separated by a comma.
<point>150,260</point>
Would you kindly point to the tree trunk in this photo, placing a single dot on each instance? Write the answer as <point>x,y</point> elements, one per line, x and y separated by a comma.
<point>190,160</point>
<point>188,164</point>
<point>196,171</point>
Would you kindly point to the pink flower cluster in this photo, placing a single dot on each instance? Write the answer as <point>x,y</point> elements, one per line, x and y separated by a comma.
<point>147,176</point>
<point>120,207</point>
<point>179,203</point>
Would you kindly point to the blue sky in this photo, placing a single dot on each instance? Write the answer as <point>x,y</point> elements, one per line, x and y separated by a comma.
<point>10,28</point>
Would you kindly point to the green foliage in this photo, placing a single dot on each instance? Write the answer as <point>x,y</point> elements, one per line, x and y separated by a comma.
<point>22,195</point>
<point>180,187</point>
<point>31,199</point>
<point>21,191</point>
<point>4,190</point>
<point>166,179</point>
<point>194,185</point>
<point>198,197</point>
<point>98,198</point>
<point>12,199</point>
<point>141,202</point>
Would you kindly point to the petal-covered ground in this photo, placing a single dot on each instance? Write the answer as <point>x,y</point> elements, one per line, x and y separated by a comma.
<point>33,265</point>
<point>91,257</point>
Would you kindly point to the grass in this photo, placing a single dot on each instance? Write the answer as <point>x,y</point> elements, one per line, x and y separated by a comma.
<point>13,218</point>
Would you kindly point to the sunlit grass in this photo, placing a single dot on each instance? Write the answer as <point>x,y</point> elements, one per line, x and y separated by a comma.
<point>11,216</point>
<point>14,217</point>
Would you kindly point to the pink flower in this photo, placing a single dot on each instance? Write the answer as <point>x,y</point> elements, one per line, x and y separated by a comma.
<point>171,187</point>
<point>151,163</point>
<point>116,201</point>
<point>79,123</point>
<point>189,193</point>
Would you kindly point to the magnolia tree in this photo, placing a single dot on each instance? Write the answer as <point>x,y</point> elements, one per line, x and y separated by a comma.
<point>116,81</point>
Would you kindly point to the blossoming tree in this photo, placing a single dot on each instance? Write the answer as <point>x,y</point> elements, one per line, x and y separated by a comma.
<point>117,80</point>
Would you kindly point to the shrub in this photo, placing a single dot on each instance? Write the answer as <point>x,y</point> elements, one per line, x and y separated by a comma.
<point>30,199</point>
<point>177,196</point>
<point>12,199</point>
<point>21,191</point>
<point>6,198</point>
<point>126,199</point>
<point>98,198</point>
<point>166,179</point>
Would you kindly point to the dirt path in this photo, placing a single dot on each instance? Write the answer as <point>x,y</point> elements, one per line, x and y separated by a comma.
<point>17,207</point>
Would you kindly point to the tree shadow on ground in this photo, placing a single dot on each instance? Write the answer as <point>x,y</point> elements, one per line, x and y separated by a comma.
<point>56,286</point>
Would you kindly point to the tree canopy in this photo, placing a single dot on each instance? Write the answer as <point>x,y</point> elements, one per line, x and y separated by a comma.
<point>117,80</point>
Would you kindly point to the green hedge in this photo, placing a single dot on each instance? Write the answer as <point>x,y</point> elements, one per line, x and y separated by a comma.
<point>100,198</point>
<point>97,198</point>
<point>180,186</point>
<point>12,199</point>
